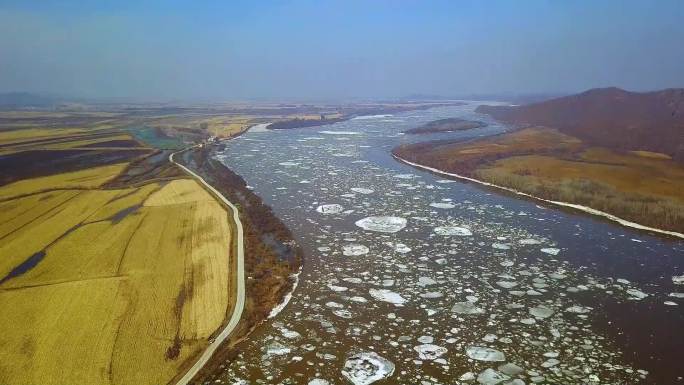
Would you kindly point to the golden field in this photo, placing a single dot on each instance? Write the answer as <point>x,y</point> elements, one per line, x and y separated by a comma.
<point>640,186</point>
<point>108,286</point>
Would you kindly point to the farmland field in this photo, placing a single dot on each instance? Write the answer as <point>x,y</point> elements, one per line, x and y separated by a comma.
<point>107,285</point>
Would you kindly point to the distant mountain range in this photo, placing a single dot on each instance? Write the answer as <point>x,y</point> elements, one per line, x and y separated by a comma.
<point>610,117</point>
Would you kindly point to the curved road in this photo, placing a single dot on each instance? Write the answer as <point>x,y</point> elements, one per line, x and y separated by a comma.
<point>240,302</point>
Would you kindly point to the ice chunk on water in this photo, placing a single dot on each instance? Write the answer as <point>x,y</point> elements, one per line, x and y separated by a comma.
<point>426,281</point>
<point>550,250</point>
<point>429,351</point>
<point>442,205</point>
<point>387,296</point>
<point>636,294</point>
<point>362,190</point>
<point>482,353</point>
<point>330,209</point>
<point>507,284</point>
<point>401,248</point>
<point>490,376</point>
<point>382,224</point>
<point>318,381</point>
<point>529,241</point>
<point>501,246</point>
<point>466,308</point>
<point>678,279</point>
<point>541,311</point>
<point>366,368</point>
<point>452,230</point>
<point>354,250</point>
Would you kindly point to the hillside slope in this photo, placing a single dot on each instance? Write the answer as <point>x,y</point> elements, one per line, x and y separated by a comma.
<point>609,117</point>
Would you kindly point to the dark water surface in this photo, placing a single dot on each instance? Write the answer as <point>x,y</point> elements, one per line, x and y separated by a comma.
<point>478,287</point>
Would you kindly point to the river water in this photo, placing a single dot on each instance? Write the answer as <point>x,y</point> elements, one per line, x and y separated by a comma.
<point>413,279</point>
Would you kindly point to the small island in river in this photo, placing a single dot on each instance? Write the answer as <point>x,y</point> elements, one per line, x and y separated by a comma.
<point>446,125</point>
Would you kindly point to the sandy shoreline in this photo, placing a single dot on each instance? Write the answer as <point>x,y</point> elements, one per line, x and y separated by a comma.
<point>585,209</point>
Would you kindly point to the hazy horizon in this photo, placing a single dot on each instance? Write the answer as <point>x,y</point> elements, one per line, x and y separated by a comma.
<point>337,50</point>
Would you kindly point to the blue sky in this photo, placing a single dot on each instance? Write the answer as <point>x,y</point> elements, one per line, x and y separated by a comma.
<point>336,50</point>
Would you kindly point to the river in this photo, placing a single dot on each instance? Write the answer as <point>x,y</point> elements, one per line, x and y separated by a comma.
<point>423,280</point>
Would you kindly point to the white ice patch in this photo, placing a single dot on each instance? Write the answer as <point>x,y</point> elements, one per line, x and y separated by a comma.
<point>401,248</point>
<point>466,308</point>
<point>362,190</point>
<point>453,230</point>
<point>678,279</point>
<point>529,241</point>
<point>366,368</point>
<point>481,353</point>
<point>490,376</point>
<point>382,224</point>
<point>430,351</point>
<point>426,281</point>
<point>442,205</point>
<point>288,164</point>
<point>541,311</point>
<point>354,250</point>
<point>550,250</point>
<point>318,381</point>
<point>330,209</point>
<point>387,296</point>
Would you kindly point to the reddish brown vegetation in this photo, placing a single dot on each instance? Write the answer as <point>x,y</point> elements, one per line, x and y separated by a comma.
<point>609,117</point>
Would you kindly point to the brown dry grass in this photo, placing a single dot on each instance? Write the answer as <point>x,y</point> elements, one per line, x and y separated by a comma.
<point>641,186</point>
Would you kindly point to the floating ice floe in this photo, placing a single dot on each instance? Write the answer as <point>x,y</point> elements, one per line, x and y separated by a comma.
<point>550,250</point>
<point>482,353</point>
<point>541,311</point>
<point>429,351</point>
<point>490,376</point>
<point>529,241</point>
<point>466,308</point>
<point>277,349</point>
<point>366,368</point>
<point>678,279</point>
<point>387,296</point>
<point>452,230</point>
<point>288,164</point>
<point>354,250</point>
<point>442,205</point>
<point>507,284</point>
<point>382,224</point>
<point>405,176</point>
<point>426,281</point>
<point>318,381</point>
<point>636,294</point>
<point>330,209</point>
<point>431,295</point>
<point>401,248</point>
<point>362,190</point>
<point>500,246</point>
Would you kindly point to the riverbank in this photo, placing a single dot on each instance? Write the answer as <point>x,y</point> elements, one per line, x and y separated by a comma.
<point>582,208</point>
<point>272,258</point>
